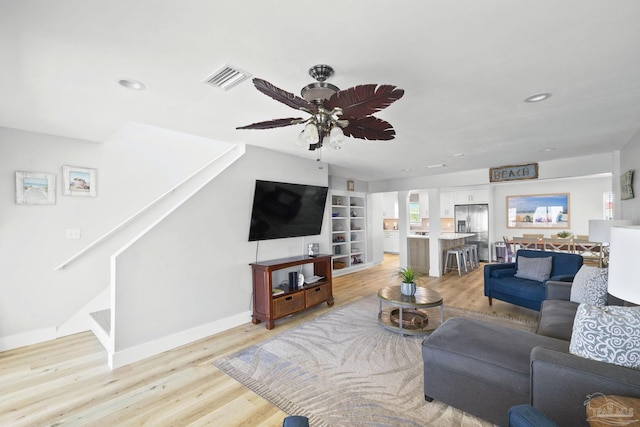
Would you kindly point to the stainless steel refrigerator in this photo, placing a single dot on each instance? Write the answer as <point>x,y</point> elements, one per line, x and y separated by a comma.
<point>474,219</point>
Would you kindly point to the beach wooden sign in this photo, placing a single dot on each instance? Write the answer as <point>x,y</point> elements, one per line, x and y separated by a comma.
<point>513,172</point>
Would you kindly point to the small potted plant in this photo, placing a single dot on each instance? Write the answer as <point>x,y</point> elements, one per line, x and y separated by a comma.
<point>564,234</point>
<point>408,276</point>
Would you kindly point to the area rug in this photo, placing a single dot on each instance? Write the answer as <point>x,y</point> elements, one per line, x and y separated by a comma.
<point>345,369</point>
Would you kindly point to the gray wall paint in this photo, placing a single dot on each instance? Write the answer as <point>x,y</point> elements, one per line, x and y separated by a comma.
<point>193,268</point>
<point>630,160</point>
<point>133,168</point>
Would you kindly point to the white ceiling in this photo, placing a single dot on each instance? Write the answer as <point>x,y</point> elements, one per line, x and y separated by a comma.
<point>465,65</point>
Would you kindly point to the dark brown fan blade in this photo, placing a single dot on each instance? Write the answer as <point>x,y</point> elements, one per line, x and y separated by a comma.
<point>363,100</point>
<point>283,96</point>
<point>277,123</point>
<point>371,128</point>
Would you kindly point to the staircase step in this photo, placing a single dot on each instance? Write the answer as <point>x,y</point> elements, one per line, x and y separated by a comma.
<point>103,319</point>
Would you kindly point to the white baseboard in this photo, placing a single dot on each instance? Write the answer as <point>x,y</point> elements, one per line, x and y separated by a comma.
<point>143,351</point>
<point>28,338</point>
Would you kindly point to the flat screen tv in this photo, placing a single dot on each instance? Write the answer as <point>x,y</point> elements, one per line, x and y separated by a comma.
<point>283,210</point>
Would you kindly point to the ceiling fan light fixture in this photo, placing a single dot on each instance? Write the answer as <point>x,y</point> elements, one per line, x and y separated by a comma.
<point>336,137</point>
<point>310,134</point>
<point>318,91</point>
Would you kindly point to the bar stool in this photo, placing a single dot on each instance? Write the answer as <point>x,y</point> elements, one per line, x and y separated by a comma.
<point>460,260</point>
<point>473,258</point>
<point>468,257</point>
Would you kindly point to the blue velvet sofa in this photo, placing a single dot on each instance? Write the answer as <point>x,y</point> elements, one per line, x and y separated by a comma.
<point>500,281</point>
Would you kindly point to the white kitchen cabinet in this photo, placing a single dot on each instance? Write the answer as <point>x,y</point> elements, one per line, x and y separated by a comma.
<point>470,197</point>
<point>390,205</point>
<point>424,205</point>
<point>391,241</point>
<point>447,201</point>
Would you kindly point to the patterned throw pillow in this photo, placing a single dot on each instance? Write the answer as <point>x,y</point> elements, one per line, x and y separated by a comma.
<point>538,269</point>
<point>608,334</point>
<point>590,286</point>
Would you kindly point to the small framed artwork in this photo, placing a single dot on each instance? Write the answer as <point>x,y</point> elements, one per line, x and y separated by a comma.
<point>538,211</point>
<point>78,181</point>
<point>35,188</point>
<point>351,185</point>
<point>626,185</point>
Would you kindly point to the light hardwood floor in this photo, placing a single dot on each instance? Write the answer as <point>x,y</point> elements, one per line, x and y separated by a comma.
<point>67,381</point>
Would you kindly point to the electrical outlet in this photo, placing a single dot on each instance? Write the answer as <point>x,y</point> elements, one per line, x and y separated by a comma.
<point>73,233</point>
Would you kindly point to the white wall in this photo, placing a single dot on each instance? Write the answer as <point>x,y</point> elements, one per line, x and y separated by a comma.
<point>560,168</point>
<point>630,160</point>
<point>134,167</point>
<point>585,203</point>
<point>193,268</point>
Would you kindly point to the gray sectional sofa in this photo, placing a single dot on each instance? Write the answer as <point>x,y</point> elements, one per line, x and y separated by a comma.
<point>484,368</point>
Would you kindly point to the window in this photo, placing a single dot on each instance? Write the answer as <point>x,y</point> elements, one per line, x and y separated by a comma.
<point>414,213</point>
<point>607,205</point>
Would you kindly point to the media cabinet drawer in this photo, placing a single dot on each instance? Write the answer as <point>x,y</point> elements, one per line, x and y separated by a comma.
<point>288,304</point>
<point>317,294</point>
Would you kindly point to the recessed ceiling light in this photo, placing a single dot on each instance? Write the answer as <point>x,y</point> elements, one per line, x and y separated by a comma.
<point>406,170</point>
<point>538,97</point>
<point>458,155</point>
<point>546,150</point>
<point>437,165</point>
<point>132,84</point>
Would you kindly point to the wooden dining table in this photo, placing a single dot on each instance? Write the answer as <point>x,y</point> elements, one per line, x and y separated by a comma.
<point>592,252</point>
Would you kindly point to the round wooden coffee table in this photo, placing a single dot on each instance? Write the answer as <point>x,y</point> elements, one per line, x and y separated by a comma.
<point>408,314</point>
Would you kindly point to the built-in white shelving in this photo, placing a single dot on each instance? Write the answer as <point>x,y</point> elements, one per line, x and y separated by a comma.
<point>348,230</point>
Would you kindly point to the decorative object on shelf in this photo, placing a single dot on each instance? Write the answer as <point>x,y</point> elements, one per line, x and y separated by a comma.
<point>334,113</point>
<point>35,188</point>
<point>408,277</point>
<point>626,185</point>
<point>78,181</point>
<point>538,211</point>
<point>350,185</point>
<point>354,214</point>
<point>314,249</point>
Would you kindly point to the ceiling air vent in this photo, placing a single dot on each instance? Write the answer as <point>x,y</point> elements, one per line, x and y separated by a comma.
<point>227,77</point>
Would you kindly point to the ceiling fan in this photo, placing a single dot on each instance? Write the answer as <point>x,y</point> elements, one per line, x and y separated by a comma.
<point>334,113</point>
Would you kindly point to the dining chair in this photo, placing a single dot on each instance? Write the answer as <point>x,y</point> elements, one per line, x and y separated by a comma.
<point>592,252</point>
<point>510,253</point>
<point>558,245</point>
<point>532,243</point>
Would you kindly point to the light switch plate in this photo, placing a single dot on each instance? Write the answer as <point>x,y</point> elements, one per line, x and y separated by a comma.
<point>73,233</point>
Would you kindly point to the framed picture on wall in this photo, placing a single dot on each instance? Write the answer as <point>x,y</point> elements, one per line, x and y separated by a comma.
<point>538,211</point>
<point>35,188</point>
<point>626,185</point>
<point>78,181</point>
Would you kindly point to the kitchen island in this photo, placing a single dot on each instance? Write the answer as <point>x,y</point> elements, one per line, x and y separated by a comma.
<point>418,246</point>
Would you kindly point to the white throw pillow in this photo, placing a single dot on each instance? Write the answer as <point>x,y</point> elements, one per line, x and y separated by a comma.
<point>590,286</point>
<point>538,269</point>
<point>608,334</point>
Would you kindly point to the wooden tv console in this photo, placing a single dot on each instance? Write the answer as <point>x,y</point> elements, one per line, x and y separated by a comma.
<point>268,307</point>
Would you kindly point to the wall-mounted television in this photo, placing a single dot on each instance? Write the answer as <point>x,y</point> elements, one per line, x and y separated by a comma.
<point>283,210</point>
